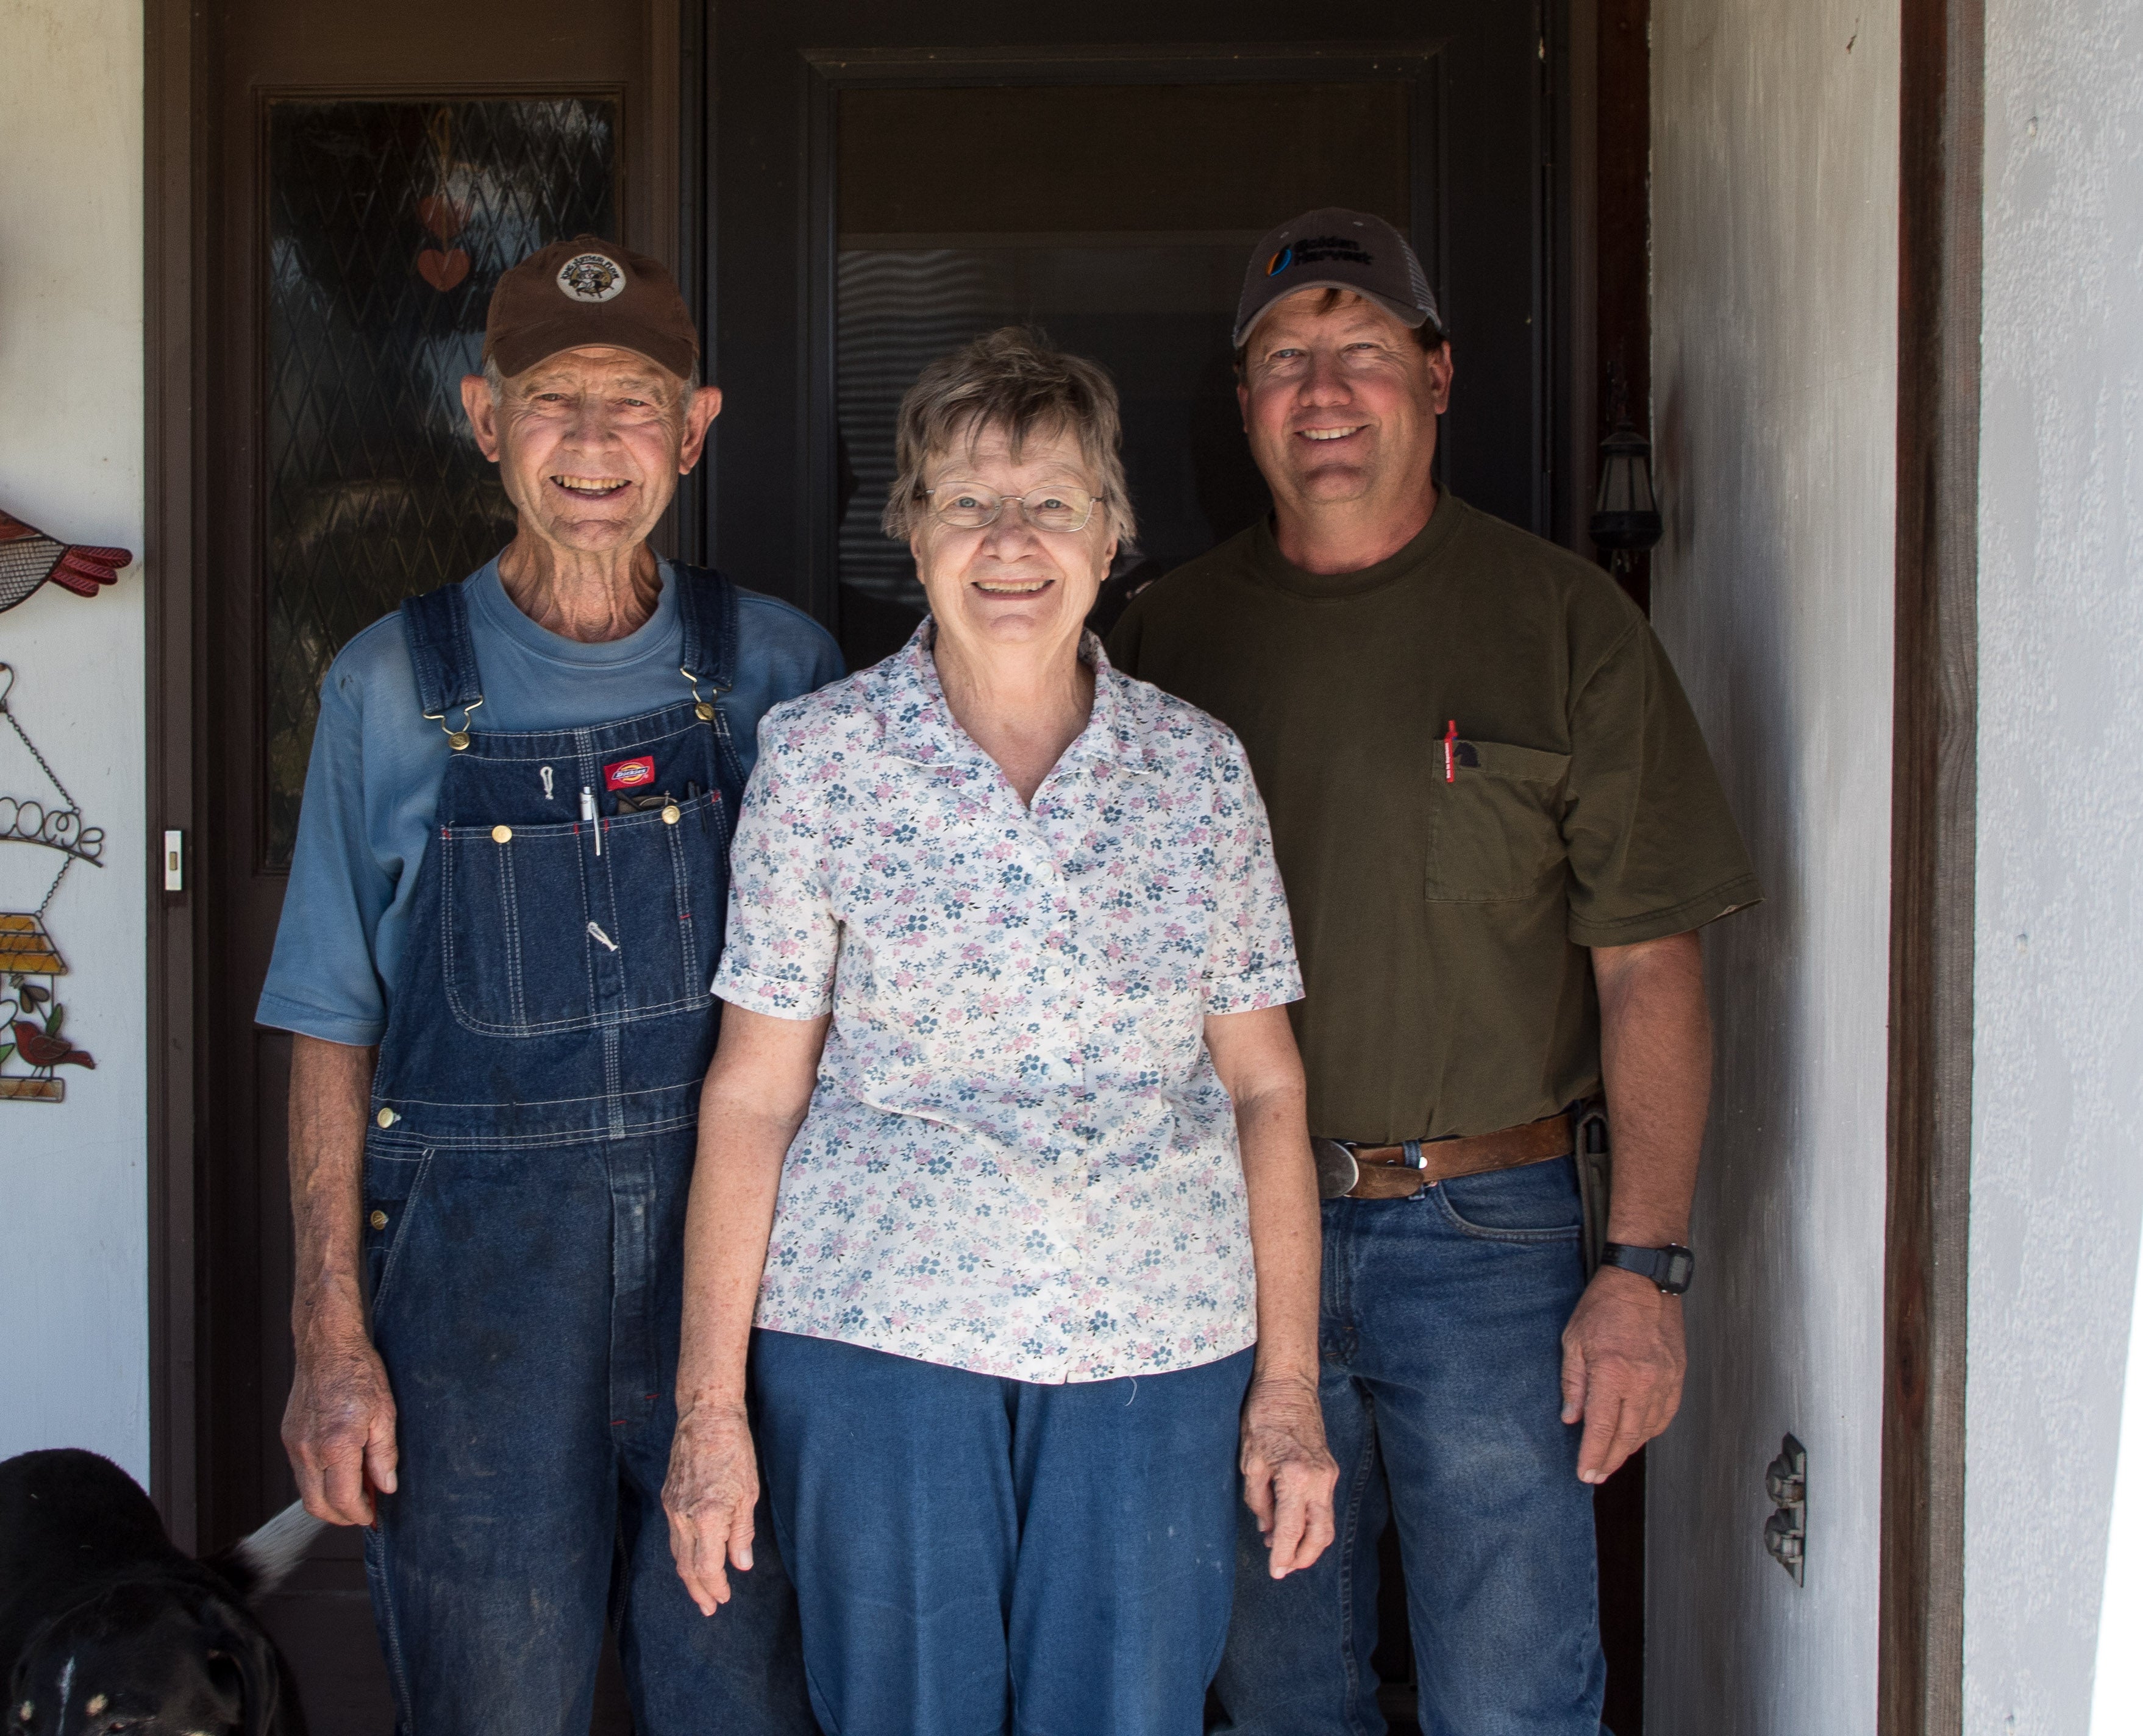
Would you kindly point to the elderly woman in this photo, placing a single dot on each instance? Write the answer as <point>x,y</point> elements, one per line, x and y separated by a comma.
<point>1003,1148</point>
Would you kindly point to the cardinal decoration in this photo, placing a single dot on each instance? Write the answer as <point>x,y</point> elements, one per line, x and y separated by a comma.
<point>34,1044</point>
<point>29,557</point>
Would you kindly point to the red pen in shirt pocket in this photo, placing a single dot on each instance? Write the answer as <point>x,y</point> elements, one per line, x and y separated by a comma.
<point>629,774</point>
<point>1451,752</point>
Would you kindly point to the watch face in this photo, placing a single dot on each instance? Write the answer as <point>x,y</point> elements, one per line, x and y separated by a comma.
<point>1681,1267</point>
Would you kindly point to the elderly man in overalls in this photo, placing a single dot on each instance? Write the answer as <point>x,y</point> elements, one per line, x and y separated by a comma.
<point>504,913</point>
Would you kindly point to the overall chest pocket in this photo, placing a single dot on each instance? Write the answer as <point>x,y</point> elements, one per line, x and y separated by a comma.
<point>1494,829</point>
<point>544,936</point>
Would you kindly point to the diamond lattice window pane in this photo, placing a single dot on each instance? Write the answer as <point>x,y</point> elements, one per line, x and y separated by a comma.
<point>388,223</point>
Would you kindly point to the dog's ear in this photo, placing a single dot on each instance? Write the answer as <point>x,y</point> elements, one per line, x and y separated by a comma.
<point>268,1702</point>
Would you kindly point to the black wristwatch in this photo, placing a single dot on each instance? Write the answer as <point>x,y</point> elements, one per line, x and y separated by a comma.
<point>1670,1268</point>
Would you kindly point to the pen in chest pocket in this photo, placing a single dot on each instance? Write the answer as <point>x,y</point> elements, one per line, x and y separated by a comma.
<point>588,813</point>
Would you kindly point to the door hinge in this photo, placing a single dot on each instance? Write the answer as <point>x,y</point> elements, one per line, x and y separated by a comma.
<point>1785,1532</point>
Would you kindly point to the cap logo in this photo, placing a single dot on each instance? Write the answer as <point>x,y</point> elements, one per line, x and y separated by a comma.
<point>1280,262</point>
<point>591,277</point>
<point>1311,250</point>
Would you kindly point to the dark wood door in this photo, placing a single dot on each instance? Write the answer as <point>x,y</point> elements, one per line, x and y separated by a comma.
<point>890,176</point>
<point>373,169</point>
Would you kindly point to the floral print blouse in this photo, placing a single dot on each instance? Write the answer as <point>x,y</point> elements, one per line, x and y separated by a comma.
<point>1019,1159</point>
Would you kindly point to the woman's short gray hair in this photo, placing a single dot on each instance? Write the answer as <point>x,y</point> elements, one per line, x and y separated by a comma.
<point>1010,380</point>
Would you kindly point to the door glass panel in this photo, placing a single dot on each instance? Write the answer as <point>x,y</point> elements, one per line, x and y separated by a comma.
<point>1117,218</point>
<point>388,223</point>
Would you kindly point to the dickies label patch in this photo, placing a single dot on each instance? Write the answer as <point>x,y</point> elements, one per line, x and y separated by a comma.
<point>629,774</point>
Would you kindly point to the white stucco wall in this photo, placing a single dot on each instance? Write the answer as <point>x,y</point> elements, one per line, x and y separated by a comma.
<point>2057,1100</point>
<point>2116,1689</point>
<point>1774,283</point>
<point>73,1240</point>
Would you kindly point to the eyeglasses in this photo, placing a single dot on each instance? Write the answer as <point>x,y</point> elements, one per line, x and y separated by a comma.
<point>970,506</point>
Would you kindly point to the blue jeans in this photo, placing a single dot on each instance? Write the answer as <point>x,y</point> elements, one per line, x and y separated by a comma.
<point>526,1304</point>
<point>1441,1344</point>
<point>976,1555</point>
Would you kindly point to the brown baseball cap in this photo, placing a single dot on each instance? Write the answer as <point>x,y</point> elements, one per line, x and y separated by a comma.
<point>1336,249</point>
<point>584,291</point>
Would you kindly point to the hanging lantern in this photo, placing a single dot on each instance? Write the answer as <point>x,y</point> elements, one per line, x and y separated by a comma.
<point>1625,517</point>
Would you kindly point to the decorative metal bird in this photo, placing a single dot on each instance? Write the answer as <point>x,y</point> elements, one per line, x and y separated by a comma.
<point>29,557</point>
<point>44,1052</point>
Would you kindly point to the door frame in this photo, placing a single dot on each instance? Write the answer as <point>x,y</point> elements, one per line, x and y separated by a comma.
<point>183,208</point>
<point>1933,849</point>
<point>177,204</point>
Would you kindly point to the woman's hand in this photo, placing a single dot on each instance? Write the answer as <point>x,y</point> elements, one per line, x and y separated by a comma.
<point>758,1086</point>
<point>711,1489</point>
<point>1288,1473</point>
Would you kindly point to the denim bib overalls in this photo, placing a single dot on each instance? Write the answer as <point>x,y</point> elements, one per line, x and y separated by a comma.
<point>526,1173</point>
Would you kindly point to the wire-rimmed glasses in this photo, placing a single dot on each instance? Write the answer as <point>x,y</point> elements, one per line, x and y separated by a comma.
<point>971,507</point>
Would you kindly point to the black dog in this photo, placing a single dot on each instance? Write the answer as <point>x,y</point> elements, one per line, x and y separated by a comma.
<point>111,1632</point>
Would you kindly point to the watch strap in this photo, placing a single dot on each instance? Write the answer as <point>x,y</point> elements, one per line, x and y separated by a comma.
<point>1670,1268</point>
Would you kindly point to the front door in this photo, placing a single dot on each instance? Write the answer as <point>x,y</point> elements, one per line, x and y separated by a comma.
<point>375,167</point>
<point>890,177</point>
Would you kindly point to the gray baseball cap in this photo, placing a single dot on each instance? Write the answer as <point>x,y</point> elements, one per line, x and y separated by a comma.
<point>1336,249</point>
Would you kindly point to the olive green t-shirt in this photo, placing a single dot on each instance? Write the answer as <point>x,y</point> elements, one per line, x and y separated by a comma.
<point>1442,918</point>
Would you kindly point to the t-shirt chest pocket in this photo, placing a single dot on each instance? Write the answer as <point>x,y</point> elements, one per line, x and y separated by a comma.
<point>1495,825</point>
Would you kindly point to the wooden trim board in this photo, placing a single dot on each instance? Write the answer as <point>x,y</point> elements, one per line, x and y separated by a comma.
<point>174,261</point>
<point>1920,1666</point>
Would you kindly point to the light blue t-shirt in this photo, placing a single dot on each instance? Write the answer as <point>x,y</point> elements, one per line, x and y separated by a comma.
<point>373,786</point>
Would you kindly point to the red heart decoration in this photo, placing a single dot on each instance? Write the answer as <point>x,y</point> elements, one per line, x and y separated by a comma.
<point>443,270</point>
<point>446,218</point>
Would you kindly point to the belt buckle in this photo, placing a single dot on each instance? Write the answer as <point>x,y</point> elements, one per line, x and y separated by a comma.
<point>1337,1171</point>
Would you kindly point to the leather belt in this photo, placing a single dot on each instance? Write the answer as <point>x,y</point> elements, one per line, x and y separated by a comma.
<point>1348,1171</point>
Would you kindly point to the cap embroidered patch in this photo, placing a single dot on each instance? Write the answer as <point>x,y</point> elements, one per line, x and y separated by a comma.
<point>591,277</point>
<point>629,774</point>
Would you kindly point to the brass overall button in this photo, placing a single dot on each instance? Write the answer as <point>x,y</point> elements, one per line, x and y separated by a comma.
<point>379,1220</point>
<point>669,815</point>
<point>502,835</point>
<point>387,1117</point>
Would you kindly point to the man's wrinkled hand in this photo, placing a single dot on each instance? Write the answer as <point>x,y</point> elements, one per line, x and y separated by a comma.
<point>338,1426</point>
<point>1622,1363</point>
<point>711,1489</point>
<point>1289,1474</point>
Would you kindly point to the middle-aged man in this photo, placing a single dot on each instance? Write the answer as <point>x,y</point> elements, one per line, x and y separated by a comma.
<point>504,911</point>
<point>1499,831</point>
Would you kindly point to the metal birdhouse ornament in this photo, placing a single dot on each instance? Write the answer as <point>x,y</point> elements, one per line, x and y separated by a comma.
<point>34,1044</point>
